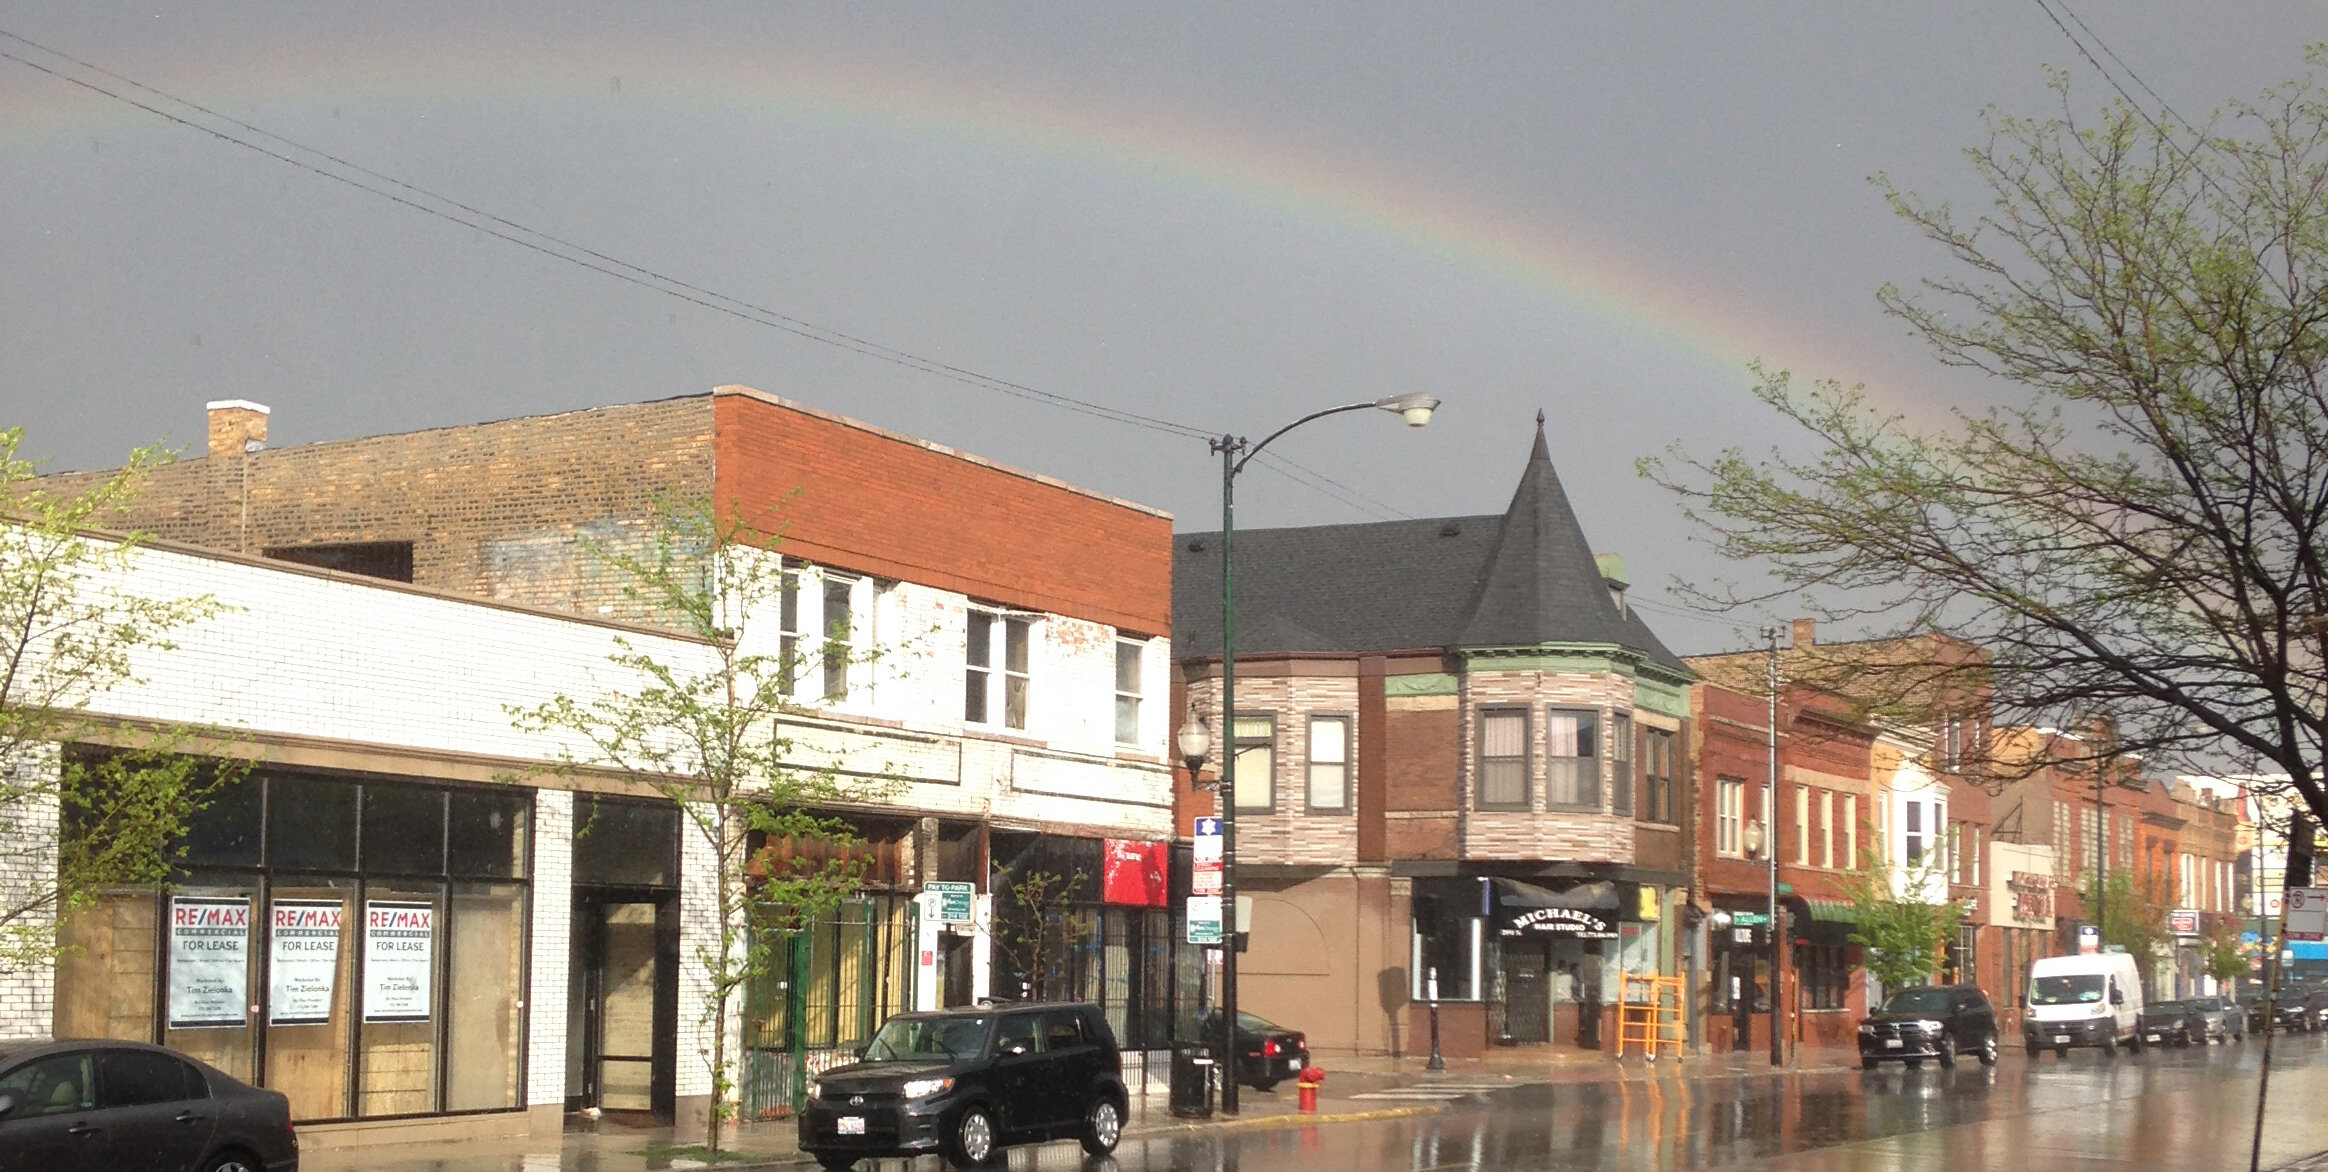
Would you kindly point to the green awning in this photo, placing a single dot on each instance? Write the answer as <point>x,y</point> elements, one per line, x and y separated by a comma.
<point>1833,911</point>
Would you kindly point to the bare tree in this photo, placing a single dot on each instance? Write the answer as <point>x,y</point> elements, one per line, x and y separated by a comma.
<point>2138,541</point>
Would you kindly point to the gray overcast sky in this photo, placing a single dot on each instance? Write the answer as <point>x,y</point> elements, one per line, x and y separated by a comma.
<point>1225,215</point>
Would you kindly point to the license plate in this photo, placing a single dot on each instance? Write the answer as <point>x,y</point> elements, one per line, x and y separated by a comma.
<point>2059,1039</point>
<point>852,1125</point>
<point>2150,1037</point>
<point>1891,1043</point>
<point>1293,1064</point>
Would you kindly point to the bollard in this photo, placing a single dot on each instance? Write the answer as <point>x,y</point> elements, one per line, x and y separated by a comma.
<point>1308,1082</point>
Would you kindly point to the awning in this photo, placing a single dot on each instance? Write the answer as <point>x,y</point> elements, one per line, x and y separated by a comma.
<point>1587,911</point>
<point>1598,896</point>
<point>1833,911</point>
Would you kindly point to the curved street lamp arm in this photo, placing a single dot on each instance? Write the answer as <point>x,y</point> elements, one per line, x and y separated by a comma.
<point>1255,450</point>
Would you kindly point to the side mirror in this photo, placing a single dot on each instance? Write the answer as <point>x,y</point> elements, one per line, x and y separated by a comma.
<point>1014,1048</point>
<point>8,1104</point>
<point>2117,998</point>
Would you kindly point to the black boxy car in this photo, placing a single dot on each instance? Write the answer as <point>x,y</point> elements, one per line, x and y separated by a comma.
<point>130,1107</point>
<point>1940,1023</point>
<point>2176,1022</point>
<point>964,1082</point>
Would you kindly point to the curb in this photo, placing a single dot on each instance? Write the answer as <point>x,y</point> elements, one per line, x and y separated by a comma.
<point>1263,1122</point>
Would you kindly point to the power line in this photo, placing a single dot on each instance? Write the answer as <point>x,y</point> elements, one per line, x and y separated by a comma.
<point>410,195</point>
<point>2048,6</point>
<point>551,245</point>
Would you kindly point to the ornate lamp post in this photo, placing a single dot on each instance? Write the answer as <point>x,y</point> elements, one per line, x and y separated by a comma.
<point>1236,452</point>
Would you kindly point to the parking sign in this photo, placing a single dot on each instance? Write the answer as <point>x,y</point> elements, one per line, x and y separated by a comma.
<point>2307,913</point>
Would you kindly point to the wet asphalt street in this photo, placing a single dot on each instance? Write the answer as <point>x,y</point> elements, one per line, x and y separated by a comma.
<point>2166,1109</point>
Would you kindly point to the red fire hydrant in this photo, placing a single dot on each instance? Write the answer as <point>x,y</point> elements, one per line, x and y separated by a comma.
<point>1308,1081</point>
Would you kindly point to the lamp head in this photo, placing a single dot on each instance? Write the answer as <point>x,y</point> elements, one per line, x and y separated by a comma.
<point>1754,839</point>
<point>1195,741</point>
<point>1415,409</point>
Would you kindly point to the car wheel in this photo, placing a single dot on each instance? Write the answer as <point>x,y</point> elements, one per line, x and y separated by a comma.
<point>1988,1052</point>
<point>232,1162</point>
<point>1915,1063</point>
<point>2109,1046</point>
<point>1103,1125</point>
<point>972,1141</point>
<point>1946,1052</point>
<point>836,1162</point>
<point>1265,1084</point>
<point>2034,1050</point>
<point>2061,1051</point>
<point>1866,1063</point>
<point>2183,1042</point>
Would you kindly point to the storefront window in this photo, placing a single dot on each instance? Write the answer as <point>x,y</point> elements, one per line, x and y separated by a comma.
<point>309,946</point>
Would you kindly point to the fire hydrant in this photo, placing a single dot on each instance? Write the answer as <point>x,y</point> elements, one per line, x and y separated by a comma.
<point>1308,1081</point>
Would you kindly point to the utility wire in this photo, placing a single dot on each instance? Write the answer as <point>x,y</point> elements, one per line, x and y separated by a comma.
<point>548,244</point>
<point>2048,6</point>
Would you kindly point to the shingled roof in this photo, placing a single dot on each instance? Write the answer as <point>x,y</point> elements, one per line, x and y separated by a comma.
<point>1523,579</point>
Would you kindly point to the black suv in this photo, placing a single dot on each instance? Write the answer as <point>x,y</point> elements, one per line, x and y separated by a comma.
<point>964,1082</point>
<point>1939,1022</point>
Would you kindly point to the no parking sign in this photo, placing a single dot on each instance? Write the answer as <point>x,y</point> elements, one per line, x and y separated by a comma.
<point>2307,913</point>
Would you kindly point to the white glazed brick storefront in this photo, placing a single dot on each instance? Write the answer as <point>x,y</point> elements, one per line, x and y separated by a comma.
<point>423,684</point>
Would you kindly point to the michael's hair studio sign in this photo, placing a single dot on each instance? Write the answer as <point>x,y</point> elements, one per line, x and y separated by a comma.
<point>1559,921</point>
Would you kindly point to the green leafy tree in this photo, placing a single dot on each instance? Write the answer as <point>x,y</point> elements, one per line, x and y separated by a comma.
<point>1041,931</point>
<point>2141,533</point>
<point>68,632</point>
<point>1902,938</point>
<point>2222,954</point>
<point>2133,913</point>
<point>707,731</point>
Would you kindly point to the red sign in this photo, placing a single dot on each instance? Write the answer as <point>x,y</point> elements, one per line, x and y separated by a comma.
<point>1135,874</point>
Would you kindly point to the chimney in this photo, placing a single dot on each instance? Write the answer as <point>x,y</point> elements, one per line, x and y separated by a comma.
<point>1806,633</point>
<point>236,425</point>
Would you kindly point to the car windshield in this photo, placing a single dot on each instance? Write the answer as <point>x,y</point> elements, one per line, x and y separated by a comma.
<point>1917,1001</point>
<point>2076,989</point>
<point>905,1039</point>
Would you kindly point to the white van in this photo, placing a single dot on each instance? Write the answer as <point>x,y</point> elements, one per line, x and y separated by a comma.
<point>2089,1000</point>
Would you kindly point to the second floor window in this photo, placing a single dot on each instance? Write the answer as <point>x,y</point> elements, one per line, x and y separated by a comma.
<point>1621,765</point>
<point>994,671</point>
<point>1329,763</point>
<point>1657,780</point>
<point>1850,832</point>
<point>1730,817</point>
<point>788,634</point>
<point>1571,767</point>
<point>1503,760</point>
<point>1127,689</point>
<point>838,628</point>
<point>1914,828</point>
<point>1827,828</point>
<point>1256,762</point>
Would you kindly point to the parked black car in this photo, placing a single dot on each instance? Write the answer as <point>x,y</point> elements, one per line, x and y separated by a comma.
<point>1939,1022</point>
<point>130,1107</point>
<point>2295,1011</point>
<point>1267,1053</point>
<point>965,1082</point>
<point>2178,1022</point>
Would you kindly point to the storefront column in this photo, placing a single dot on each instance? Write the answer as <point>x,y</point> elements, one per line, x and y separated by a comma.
<point>546,1007</point>
<point>28,861</point>
<point>699,936</point>
<point>982,948</point>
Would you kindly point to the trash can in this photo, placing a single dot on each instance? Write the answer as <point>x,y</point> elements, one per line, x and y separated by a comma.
<point>1192,1082</point>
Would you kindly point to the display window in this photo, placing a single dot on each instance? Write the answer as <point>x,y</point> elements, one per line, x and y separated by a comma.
<point>356,943</point>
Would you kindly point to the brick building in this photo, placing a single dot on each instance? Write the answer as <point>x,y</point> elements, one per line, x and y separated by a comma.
<point>1002,680</point>
<point>1459,750</point>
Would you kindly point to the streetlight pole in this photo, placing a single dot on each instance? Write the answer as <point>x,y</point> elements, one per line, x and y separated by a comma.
<point>1770,816</point>
<point>1235,452</point>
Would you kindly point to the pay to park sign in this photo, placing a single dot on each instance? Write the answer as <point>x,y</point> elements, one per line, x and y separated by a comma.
<point>399,946</point>
<point>210,961</point>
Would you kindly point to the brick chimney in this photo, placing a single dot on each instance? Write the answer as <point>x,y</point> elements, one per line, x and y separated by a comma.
<point>1806,631</point>
<point>235,424</point>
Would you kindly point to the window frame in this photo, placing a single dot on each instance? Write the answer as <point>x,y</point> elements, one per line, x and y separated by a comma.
<point>1527,757</point>
<point>1238,744</point>
<point>1658,749</point>
<point>995,674</point>
<point>1624,764</point>
<point>1590,773</point>
<point>1138,649</point>
<point>1310,763</point>
<point>1730,817</point>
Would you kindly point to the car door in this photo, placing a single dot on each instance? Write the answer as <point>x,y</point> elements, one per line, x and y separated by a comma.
<point>53,1124</point>
<point>1018,1071</point>
<point>1073,1055</point>
<point>152,1123</point>
<point>1976,1021</point>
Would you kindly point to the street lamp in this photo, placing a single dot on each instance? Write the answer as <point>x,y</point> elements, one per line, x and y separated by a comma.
<point>1236,452</point>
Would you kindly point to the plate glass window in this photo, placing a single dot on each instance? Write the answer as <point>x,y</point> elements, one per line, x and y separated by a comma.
<point>1256,761</point>
<point>1329,763</point>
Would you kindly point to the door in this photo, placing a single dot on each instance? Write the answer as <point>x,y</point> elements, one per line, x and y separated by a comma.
<point>1527,993</point>
<point>954,965</point>
<point>627,961</point>
<point>1073,1058</point>
<point>1022,1086</point>
<point>54,1123</point>
<point>147,1106</point>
